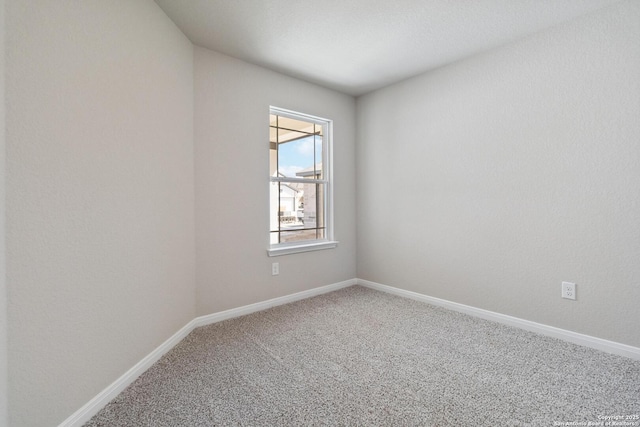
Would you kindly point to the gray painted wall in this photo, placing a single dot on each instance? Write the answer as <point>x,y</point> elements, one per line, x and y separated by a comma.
<point>232,100</point>
<point>100,197</point>
<point>4,416</point>
<point>491,180</point>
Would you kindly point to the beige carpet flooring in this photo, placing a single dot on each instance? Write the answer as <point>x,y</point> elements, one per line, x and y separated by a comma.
<point>358,357</point>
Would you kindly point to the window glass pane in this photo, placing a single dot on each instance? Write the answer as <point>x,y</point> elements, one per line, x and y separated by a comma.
<point>295,156</point>
<point>286,135</point>
<point>286,206</point>
<point>319,202</point>
<point>273,133</point>
<point>295,124</point>
<point>297,235</point>
<point>273,162</point>
<point>296,211</point>
<point>298,146</point>
<point>318,157</point>
<point>313,205</point>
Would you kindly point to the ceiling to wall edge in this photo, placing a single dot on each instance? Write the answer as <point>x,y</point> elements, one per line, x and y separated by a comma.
<point>357,90</point>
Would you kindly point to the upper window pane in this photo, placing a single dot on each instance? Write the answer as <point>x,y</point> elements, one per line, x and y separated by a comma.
<point>297,148</point>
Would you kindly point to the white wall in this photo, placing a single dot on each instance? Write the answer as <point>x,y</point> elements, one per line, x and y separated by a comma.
<point>232,101</point>
<point>490,181</point>
<point>100,197</point>
<point>4,416</point>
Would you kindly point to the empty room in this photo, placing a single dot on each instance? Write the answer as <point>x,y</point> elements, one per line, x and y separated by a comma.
<point>356,212</point>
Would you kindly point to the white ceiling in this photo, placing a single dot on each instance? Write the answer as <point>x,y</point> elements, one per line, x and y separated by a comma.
<point>356,46</point>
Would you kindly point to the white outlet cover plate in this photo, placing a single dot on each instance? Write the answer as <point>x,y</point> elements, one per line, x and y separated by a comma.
<point>569,290</point>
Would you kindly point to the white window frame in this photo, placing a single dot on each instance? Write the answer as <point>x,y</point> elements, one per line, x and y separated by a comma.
<point>278,249</point>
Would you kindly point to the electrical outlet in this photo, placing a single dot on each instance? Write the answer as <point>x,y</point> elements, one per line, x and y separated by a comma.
<point>569,290</point>
<point>275,268</point>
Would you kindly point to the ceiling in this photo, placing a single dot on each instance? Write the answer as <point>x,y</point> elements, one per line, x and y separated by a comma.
<point>355,46</point>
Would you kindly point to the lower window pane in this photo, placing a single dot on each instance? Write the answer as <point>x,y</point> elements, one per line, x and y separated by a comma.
<point>296,235</point>
<point>297,211</point>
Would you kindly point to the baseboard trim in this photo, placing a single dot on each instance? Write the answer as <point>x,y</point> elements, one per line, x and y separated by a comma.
<point>563,334</point>
<point>84,414</point>
<point>92,407</point>
<point>259,306</point>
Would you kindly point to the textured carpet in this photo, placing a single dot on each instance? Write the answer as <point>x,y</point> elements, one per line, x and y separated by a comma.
<point>362,357</point>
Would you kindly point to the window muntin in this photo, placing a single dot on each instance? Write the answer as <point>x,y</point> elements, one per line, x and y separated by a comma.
<point>300,187</point>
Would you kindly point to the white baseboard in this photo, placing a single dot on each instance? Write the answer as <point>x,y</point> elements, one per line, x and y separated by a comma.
<point>573,337</point>
<point>92,407</point>
<point>259,306</point>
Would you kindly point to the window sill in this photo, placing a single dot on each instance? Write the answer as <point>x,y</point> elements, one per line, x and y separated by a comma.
<point>298,248</point>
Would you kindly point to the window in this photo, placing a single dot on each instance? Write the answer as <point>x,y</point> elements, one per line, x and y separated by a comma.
<point>300,183</point>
